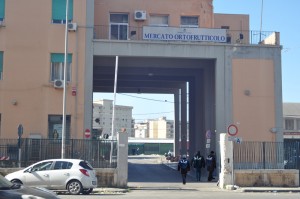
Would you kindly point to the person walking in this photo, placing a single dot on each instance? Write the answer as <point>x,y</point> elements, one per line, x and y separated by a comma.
<point>198,163</point>
<point>211,165</point>
<point>184,168</point>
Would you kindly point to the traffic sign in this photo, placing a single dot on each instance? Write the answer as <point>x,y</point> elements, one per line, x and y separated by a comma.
<point>238,140</point>
<point>208,134</point>
<point>87,133</point>
<point>232,130</point>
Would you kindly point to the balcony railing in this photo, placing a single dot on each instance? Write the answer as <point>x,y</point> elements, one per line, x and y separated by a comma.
<point>183,34</point>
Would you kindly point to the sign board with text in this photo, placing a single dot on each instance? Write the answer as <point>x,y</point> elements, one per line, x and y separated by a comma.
<point>184,34</point>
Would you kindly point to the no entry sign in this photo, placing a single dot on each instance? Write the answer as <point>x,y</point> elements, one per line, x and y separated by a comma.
<point>87,133</point>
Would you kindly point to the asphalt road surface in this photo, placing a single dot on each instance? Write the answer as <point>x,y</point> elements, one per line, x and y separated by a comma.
<point>148,178</point>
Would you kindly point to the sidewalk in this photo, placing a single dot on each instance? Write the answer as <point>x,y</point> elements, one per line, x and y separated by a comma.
<point>202,186</point>
<point>173,165</point>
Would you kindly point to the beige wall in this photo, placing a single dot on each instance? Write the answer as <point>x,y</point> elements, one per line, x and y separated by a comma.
<point>255,109</point>
<point>237,23</point>
<point>27,40</point>
<point>173,8</point>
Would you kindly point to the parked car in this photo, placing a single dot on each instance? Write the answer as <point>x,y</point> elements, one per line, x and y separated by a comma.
<point>74,175</point>
<point>18,191</point>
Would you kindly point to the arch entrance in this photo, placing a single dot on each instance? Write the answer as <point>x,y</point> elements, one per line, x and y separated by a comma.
<point>191,81</point>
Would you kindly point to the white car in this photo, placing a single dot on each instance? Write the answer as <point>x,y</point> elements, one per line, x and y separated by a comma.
<point>74,175</point>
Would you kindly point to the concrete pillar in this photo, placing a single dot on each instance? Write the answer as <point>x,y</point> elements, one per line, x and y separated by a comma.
<point>226,157</point>
<point>122,161</point>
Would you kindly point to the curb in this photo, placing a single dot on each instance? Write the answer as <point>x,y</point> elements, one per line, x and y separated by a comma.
<point>267,189</point>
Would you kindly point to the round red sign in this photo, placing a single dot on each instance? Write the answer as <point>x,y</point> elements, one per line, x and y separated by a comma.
<point>232,130</point>
<point>87,133</point>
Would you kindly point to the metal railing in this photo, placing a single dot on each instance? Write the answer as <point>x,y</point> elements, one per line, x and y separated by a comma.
<point>232,36</point>
<point>267,155</point>
<point>97,152</point>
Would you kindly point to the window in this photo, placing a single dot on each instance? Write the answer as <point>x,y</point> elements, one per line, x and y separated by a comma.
<point>289,124</point>
<point>188,21</point>
<point>225,27</point>
<point>57,66</point>
<point>62,165</point>
<point>298,124</point>
<point>2,10</point>
<point>119,26</point>
<point>1,65</point>
<point>42,166</point>
<point>59,11</point>
<point>159,20</point>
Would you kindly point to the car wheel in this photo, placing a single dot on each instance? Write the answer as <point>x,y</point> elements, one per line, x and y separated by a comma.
<point>87,191</point>
<point>74,187</point>
<point>16,181</point>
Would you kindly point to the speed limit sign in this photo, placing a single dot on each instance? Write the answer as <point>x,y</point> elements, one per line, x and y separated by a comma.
<point>232,130</point>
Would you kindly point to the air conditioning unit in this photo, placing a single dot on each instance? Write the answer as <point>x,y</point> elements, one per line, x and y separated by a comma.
<point>72,26</point>
<point>140,15</point>
<point>58,83</point>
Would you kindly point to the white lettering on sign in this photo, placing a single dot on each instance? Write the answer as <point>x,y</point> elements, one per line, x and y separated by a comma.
<point>184,34</point>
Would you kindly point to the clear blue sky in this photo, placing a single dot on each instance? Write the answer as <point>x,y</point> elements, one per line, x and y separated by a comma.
<point>278,15</point>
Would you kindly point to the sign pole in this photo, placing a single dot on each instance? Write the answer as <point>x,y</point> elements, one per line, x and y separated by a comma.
<point>20,133</point>
<point>232,130</point>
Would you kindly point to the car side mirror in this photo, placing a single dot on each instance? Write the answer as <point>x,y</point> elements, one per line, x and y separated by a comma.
<point>29,170</point>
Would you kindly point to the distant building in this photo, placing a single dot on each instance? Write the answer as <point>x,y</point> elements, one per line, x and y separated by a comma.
<point>157,128</point>
<point>141,130</point>
<point>291,117</point>
<point>102,117</point>
<point>161,128</point>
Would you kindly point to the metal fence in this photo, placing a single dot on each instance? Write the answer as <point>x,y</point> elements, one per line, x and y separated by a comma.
<point>97,152</point>
<point>136,34</point>
<point>149,148</point>
<point>267,155</point>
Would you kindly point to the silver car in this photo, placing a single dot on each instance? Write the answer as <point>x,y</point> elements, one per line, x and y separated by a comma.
<point>74,175</point>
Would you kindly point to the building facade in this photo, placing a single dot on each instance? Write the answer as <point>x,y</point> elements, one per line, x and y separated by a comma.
<point>103,114</point>
<point>232,75</point>
<point>155,129</point>
<point>291,116</point>
<point>161,128</point>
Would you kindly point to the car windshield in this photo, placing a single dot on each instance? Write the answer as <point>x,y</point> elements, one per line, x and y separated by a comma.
<point>86,165</point>
<point>4,183</point>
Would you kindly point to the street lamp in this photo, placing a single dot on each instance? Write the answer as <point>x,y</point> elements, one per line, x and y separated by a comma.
<point>63,133</point>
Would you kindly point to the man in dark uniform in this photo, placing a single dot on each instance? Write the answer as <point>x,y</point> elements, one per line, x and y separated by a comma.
<point>211,165</point>
<point>184,168</point>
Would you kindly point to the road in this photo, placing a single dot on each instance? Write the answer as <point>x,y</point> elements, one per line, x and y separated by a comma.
<point>147,178</point>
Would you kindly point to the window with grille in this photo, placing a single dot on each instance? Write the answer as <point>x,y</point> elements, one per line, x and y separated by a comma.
<point>57,66</point>
<point>189,21</point>
<point>289,124</point>
<point>159,20</point>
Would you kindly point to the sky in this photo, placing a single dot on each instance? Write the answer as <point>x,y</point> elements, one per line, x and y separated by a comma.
<point>276,15</point>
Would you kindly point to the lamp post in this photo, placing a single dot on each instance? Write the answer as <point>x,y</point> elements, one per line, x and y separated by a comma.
<point>114,104</point>
<point>63,133</point>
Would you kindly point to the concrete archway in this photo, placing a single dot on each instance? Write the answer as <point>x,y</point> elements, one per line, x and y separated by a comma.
<point>192,81</point>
